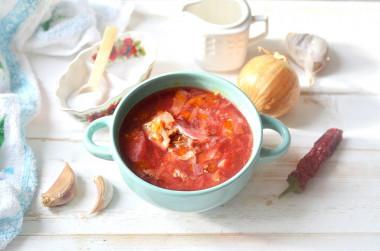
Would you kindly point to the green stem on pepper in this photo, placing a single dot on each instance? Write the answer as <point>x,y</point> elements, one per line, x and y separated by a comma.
<point>294,186</point>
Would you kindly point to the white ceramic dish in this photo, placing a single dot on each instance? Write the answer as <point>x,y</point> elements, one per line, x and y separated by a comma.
<point>131,62</point>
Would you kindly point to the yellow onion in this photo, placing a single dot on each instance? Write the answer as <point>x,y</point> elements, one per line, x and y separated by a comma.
<point>271,83</point>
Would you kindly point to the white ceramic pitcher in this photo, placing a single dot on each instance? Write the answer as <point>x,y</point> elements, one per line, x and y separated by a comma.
<point>221,32</point>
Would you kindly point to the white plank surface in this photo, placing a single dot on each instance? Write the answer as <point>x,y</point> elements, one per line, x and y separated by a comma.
<point>340,208</point>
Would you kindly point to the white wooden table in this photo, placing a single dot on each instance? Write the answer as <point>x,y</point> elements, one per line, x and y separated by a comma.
<point>340,208</point>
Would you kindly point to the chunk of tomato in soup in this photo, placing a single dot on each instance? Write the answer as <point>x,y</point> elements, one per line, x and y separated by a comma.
<point>185,139</point>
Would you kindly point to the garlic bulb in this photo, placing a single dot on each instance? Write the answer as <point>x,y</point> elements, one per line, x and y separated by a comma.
<point>63,189</point>
<point>271,83</point>
<point>105,194</point>
<point>309,51</point>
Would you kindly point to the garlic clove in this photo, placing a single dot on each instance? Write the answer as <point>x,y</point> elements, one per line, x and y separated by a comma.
<point>105,194</point>
<point>308,51</point>
<point>63,189</point>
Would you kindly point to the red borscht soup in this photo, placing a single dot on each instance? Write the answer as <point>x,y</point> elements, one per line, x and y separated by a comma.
<point>185,138</point>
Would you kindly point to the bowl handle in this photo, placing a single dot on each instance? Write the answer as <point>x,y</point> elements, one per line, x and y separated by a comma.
<point>102,152</point>
<point>267,154</point>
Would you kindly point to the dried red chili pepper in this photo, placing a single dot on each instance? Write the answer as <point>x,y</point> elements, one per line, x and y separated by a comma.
<point>309,165</point>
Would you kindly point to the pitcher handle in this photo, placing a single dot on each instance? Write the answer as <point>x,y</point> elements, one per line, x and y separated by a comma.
<point>256,19</point>
<point>102,152</point>
<point>267,154</point>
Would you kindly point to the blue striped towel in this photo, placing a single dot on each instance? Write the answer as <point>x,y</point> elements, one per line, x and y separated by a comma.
<point>19,99</point>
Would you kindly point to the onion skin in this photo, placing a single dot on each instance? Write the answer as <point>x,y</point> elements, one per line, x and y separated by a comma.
<point>271,83</point>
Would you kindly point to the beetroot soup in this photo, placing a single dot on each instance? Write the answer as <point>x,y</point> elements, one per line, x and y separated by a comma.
<point>185,139</point>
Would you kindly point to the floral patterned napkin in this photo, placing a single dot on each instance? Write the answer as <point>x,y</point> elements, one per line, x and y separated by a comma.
<point>50,27</point>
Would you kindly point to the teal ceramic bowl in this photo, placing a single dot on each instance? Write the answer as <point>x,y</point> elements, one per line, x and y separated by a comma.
<point>189,201</point>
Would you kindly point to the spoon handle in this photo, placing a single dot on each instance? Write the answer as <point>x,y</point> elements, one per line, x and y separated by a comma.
<point>101,59</point>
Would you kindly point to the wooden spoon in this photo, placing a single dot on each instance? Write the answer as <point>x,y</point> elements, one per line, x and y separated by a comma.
<point>101,61</point>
